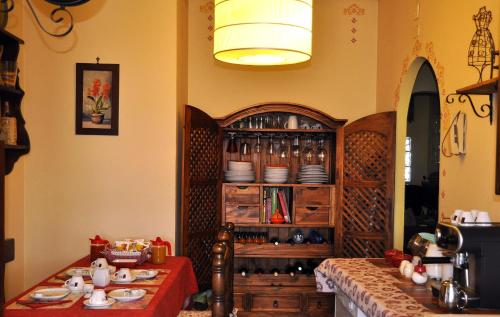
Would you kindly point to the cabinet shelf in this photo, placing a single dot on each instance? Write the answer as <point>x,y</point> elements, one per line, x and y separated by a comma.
<point>271,280</point>
<point>279,130</point>
<point>277,185</point>
<point>282,250</point>
<point>283,225</point>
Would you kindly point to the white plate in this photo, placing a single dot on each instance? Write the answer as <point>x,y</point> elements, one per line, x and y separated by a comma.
<point>119,281</point>
<point>144,274</point>
<point>78,271</point>
<point>106,304</point>
<point>127,294</point>
<point>48,294</point>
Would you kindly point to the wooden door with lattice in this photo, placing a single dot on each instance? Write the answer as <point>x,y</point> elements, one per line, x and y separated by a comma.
<point>201,188</point>
<point>365,182</point>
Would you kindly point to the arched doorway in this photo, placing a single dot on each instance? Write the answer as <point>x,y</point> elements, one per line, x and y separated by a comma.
<point>421,171</point>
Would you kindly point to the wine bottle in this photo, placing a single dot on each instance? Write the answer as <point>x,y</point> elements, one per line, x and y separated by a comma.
<point>9,125</point>
<point>290,241</point>
<point>275,241</point>
<point>259,271</point>
<point>299,268</point>
<point>275,271</point>
<point>243,271</point>
<point>290,270</point>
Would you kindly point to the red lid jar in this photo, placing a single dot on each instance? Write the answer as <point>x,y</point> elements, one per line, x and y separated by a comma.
<point>159,250</point>
<point>97,245</point>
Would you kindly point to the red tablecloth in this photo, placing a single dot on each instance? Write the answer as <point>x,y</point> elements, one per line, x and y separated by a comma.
<point>167,301</point>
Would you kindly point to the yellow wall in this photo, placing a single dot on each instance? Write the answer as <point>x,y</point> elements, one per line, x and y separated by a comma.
<point>339,80</point>
<point>446,29</point>
<point>76,186</point>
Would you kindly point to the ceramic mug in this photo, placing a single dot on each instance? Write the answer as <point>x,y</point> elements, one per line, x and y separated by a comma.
<point>88,288</point>
<point>483,217</point>
<point>292,122</point>
<point>474,213</point>
<point>466,218</point>
<point>99,263</point>
<point>75,283</point>
<point>98,297</point>
<point>123,274</point>
<point>456,216</point>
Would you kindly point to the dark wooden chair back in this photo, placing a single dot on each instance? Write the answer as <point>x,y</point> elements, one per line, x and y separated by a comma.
<point>223,272</point>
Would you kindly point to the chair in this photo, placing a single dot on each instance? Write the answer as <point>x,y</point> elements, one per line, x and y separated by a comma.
<point>222,276</point>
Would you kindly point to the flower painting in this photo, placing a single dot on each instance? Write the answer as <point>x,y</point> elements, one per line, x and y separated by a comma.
<point>97,99</point>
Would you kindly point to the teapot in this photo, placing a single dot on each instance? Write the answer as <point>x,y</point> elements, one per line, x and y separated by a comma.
<point>451,296</point>
<point>100,276</point>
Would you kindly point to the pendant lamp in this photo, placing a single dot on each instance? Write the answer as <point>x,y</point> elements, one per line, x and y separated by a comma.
<point>263,32</point>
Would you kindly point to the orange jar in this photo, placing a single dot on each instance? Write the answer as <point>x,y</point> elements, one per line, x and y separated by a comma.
<point>97,245</point>
<point>159,250</point>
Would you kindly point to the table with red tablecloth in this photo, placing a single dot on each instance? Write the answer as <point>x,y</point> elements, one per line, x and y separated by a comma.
<point>165,298</point>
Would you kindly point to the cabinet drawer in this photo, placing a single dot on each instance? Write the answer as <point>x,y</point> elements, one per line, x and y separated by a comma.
<point>320,304</point>
<point>312,215</point>
<point>239,301</point>
<point>242,195</point>
<point>308,196</point>
<point>283,303</point>
<point>242,214</point>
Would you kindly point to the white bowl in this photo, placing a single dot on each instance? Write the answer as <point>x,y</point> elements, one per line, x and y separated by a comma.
<point>237,172</point>
<point>239,166</point>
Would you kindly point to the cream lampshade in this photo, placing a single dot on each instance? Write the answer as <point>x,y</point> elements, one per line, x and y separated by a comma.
<point>263,32</point>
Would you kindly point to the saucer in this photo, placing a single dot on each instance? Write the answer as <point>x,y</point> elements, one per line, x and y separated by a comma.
<point>121,281</point>
<point>127,294</point>
<point>105,304</point>
<point>48,294</point>
<point>78,271</point>
<point>144,274</point>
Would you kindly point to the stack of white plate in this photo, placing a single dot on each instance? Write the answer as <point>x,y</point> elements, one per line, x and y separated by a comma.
<point>239,171</point>
<point>275,174</point>
<point>312,174</point>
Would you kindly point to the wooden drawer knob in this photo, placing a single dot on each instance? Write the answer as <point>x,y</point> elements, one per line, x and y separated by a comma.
<point>275,304</point>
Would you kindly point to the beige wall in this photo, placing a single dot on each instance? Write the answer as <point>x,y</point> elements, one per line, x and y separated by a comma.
<point>76,186</point>
<point>340,79</point>
<point>446,29</point>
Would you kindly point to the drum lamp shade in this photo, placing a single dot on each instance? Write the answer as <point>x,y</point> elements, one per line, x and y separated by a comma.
<point>263,32</point>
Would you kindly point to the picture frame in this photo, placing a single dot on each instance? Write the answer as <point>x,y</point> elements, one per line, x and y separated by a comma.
<point>97,99</point>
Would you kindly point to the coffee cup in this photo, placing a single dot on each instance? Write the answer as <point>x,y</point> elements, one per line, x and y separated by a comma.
<point>123,274</point>
<point>292,122</point>
<point>466,218</point>
<point>474,213</point>
<point>98,297</point>
<point>75,284</point>
<point>88,288</point>
<point>99,263</point>
<point>455,218</point>
<point>483,218</point>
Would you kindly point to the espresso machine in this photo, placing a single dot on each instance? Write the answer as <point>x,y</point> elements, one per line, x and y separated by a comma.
<point>475,253</point>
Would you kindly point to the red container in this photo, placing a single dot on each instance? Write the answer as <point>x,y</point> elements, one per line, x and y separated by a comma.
<point>389,254</point>
<point>97,245</point>
<point>127,263</point>
<point>397,259</point>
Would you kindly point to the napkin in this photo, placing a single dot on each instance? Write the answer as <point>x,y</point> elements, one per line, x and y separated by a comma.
<point>37,304</point>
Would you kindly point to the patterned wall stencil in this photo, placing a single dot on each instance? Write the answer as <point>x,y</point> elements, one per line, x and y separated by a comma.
<point>208,9</point>
<point>353,12</point>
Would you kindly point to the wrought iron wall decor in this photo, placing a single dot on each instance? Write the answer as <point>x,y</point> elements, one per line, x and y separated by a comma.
<point>58,15</point>
<point>484,111</point>
<point>482,43</point>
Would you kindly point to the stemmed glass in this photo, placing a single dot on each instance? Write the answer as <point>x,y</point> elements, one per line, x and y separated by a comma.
<point>308,152</point>
<point>231,145</point>
<point>258,145</point>
<point>283,152</point>
<point>270,146</point>
<point>321,152</point>
<point>296,147</point>
<point>245,148</point>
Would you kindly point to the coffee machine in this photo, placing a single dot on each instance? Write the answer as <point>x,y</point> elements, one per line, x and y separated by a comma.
<point>475,252</point>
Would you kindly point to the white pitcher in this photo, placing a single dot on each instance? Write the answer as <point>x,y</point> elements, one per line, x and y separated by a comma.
<point>100,277</point>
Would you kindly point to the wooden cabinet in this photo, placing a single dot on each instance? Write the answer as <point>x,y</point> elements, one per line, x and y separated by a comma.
<point>9,44</point>
<point>351,211</point>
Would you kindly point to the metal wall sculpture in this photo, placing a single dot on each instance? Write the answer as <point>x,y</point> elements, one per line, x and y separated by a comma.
<point>482,44</point>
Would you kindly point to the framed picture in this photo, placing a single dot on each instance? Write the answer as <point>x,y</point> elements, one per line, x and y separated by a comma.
<point>97,98</point>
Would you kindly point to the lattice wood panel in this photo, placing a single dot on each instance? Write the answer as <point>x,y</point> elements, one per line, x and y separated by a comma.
<point>364,209</point>
<point>365,156</point>
<point>204,157</point>
<point>202,215</point>
<point>361,248</point>
<point>200,248</point>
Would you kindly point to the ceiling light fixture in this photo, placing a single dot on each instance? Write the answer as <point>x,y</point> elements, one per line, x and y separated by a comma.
<point>57,15</point>
<point>263,32</point>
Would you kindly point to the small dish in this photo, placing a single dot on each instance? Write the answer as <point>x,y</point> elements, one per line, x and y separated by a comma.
<point>122,281</point>
<point>120,263</point>
<point>78,271</point>
<point>108,302</point>
<point>50,294</point>
<point>127,294</point>
<point>144,274</point>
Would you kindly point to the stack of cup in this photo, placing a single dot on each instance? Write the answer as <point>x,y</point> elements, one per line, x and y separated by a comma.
<point>473,217</point>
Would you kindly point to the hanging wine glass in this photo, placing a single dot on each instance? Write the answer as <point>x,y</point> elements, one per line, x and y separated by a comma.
<point>245,148</point>
<point>321,152</point>
<point>308,152</point>
<point>270,146</point>
<point>296,147</point>
<point>231,144</point>
<point>258,145</point>
<point>283,152</point>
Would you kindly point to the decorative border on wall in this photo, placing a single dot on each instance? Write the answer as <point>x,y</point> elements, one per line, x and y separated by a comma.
<point>208,9</point>
<point>354,11</point>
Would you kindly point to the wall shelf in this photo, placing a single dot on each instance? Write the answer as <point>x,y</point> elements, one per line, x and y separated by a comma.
<point>486,87</point>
